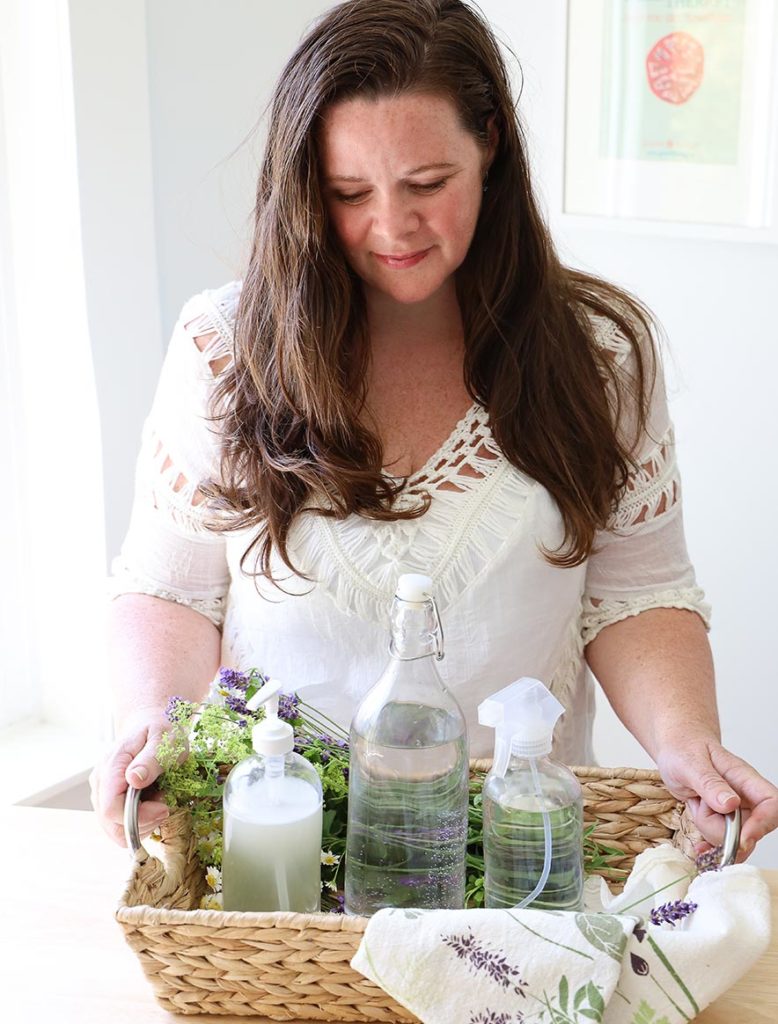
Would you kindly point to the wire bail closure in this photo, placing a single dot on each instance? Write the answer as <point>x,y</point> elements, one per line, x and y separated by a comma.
<point>439,653</point>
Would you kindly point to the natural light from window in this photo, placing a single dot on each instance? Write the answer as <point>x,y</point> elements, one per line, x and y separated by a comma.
<point>52,535</point>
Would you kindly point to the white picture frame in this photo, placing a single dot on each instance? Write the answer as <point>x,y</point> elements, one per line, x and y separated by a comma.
<point>671,117</point>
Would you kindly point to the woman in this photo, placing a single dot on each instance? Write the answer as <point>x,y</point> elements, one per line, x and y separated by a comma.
<point>409,380</point>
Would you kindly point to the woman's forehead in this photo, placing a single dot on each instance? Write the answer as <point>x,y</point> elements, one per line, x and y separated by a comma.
<point>401,134</point>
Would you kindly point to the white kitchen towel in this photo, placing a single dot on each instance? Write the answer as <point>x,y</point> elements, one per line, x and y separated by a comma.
<point>671,972</point>
<point>495,966</point>
<point>546,967</point>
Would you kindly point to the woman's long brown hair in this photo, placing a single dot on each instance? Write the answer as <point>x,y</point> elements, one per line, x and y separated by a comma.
<point>292,437</point>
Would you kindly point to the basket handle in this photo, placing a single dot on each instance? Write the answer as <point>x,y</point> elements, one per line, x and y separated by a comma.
<point>132,832</point>
<point>731,838</point>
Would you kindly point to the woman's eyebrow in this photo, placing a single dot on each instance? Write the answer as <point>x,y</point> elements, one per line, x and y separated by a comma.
<point>432,167</point>
<point>414,170</point>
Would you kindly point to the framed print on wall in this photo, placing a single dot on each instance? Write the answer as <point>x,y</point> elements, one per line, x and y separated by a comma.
<point>671,113</point>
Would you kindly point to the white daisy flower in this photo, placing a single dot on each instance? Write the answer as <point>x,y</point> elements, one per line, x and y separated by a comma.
<point>329,858</point>
<point>330,885</point>
<point>217,693</point>
<point>214,878</point>
<point>213,901</point>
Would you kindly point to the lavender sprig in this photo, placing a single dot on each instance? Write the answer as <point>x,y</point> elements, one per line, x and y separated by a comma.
<point>669,913</point>
<point>232,679</point>
<point>495,1017</point>
<point>506,974</point>
<point>288,706</point>
<point>710,860</point>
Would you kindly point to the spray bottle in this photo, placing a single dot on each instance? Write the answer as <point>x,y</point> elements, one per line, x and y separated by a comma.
<point>272,821</point>
<point>532,805</point>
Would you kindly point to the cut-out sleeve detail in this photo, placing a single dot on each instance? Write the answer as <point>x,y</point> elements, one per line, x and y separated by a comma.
<point>641,561</point>
<point>168,552</point>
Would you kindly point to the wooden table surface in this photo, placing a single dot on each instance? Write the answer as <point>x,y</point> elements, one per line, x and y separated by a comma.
<point>63,957</point>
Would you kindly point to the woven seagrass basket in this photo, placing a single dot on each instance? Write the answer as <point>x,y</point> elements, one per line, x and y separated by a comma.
<point>284,966</point>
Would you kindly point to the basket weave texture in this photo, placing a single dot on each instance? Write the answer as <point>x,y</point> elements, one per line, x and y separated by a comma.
<point>284,966</point>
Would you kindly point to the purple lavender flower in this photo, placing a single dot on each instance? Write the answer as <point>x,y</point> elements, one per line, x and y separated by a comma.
<point>411,881</point>
<point>231,679</point>
<point>340,904</point>
<point>236,704</point>
<point>288,706</point>
<point>493,1017</point>
<point>710,860</point>
<point>497,966</point>
<point>176,706</point>
<point>669,913</point>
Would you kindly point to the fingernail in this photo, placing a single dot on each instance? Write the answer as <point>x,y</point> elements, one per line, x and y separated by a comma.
<point>724,797</point>
<point>139,773</point>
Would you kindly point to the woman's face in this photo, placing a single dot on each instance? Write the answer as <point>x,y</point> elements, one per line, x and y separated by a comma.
<point>402,182</point>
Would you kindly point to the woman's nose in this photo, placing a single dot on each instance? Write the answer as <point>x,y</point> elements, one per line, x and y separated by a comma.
<point>395,217</point>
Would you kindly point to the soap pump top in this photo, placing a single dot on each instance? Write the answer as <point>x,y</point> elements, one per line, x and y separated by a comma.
<point>269,776</point>
<point>523,716</point>
<point>272,737</point>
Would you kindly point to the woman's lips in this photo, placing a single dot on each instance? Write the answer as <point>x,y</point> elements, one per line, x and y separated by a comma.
<point>400,262</point>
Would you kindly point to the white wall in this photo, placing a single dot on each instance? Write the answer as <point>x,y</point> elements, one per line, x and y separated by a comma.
<point>111,100</point>
<point>210,69</point>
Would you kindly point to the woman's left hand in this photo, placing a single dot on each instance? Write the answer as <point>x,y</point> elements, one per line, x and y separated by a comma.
<point>713,782</point>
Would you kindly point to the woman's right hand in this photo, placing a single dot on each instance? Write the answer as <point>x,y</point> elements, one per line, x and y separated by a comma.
<point>131,762</point>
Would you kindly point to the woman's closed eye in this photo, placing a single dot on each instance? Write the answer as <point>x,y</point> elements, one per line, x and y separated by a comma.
<point>426,188</point>
<point>429,187</point>
<point>351,197</point>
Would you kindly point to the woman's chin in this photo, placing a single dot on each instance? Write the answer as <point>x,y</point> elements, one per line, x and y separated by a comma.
<point>406,293</point>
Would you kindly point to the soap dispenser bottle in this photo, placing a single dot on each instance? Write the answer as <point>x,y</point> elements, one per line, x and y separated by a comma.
<point>408,778</point>
<point>532,806</point>
<point>272,821</point>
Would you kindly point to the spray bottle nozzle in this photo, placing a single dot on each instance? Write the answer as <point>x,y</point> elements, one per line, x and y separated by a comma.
<point>523,716</point>
<point>272,736</point>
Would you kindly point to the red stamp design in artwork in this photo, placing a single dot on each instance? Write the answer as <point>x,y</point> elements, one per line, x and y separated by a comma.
<point>674,67</point>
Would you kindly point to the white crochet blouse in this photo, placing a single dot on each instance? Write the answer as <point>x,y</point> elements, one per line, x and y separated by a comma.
<point>506,611</point>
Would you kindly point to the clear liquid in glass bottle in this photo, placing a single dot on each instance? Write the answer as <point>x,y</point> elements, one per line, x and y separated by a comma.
<point>514,853</point>
<point>532,806</point>
<point>409,772</point>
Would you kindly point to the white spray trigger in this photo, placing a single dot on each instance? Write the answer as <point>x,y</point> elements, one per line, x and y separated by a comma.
<point>523,716</point>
